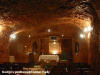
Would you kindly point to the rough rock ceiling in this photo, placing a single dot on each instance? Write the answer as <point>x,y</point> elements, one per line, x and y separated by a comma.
<point>37,16</point>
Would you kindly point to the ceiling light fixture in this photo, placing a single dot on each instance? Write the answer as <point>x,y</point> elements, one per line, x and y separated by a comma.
<point>62,35</point>
<point>49,30</point>
<point>88,29</point>
<point>29,36</point>
<point>82,36</point>
<point>13,36</point>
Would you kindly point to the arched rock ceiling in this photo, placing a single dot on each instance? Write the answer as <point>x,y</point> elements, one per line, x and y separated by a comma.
<point>35,15</point>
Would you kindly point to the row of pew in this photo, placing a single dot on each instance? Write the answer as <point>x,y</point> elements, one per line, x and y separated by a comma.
<point>59,69</point>
<point>73,69</point>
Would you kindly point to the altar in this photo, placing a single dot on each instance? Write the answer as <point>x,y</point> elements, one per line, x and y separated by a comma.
<point>48,58</point>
